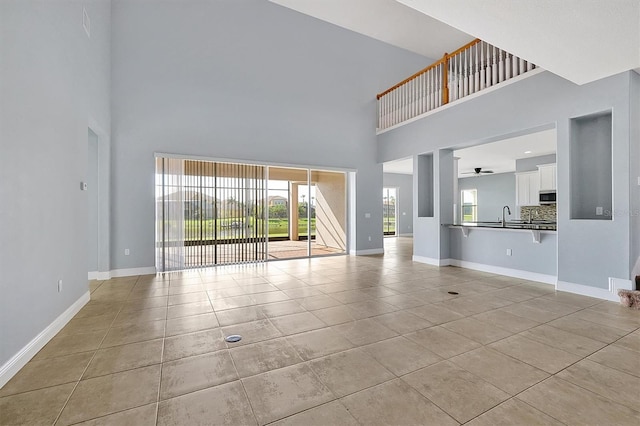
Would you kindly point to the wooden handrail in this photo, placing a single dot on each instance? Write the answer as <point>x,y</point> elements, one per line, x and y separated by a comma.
<point>443,60</point>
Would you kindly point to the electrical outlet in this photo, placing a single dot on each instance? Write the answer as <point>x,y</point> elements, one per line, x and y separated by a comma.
<point>599,211</point>
<point>59,286</point>
<point>127,252</point>
<point>369,237</point>
<point>367,215</point>
<point>509,252</point>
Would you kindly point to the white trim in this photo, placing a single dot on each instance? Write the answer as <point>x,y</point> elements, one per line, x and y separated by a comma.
<point>586,290</point>
<point>95,275</point>
<point>466,98</point>
<point>432,261</point>
<point>20,359</point>
<point>128,272</point>
<point>516,273</point>
<point>366,252</point>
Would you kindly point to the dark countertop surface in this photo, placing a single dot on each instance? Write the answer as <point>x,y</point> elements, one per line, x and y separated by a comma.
<point>539,225</point>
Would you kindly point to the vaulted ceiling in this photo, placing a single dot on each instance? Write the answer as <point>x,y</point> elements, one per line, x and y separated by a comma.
<point>580,40</point>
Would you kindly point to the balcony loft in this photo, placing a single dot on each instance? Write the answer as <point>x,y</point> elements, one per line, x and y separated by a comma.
<point>475,67</point>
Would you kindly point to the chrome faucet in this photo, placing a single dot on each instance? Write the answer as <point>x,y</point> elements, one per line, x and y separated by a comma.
<point>508,212</point>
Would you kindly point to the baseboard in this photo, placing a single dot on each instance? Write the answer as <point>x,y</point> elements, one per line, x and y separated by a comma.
<point>431,261</point>
<point>20,359</point>
<point>95,275</point>
<point>585,290</point>
<point>366,252</point>
<point>148,270</point>
<point>516,273</point>
<point>405,235</point>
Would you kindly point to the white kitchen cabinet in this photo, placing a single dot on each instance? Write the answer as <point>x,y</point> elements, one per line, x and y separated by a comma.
<point>547,173</point>
<point>527,188</point>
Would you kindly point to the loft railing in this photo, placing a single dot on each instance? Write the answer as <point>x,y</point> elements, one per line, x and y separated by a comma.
<point>473,67</point>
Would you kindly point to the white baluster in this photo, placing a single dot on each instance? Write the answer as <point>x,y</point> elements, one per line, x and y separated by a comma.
<point>476,75</point>
<point>482,76</point>
<point>514,67</point>
<point>530,66</point>
<point>494,70</point>
<point>507,74</point>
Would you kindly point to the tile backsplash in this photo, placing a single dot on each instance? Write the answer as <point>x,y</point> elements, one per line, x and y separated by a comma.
<point>545,212</point>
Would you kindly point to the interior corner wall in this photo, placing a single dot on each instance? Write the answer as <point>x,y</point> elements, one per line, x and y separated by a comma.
<point>634,185</point>
<point>55,82</point>
<point>246,80</point>
<point>589,252</point>
<point>404,183</point>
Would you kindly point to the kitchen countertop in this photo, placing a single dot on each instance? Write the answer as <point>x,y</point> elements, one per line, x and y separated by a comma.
<point>511,225</point>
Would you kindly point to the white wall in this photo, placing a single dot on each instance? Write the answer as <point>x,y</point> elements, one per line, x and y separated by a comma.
<point>54,84</point>
<point>246,80</point>
<point>589,252</point>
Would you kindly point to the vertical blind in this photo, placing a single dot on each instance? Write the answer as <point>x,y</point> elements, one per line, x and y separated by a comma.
<point>209,213</point>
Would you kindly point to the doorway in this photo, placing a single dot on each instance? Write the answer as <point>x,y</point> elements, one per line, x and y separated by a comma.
<point>390,211</point>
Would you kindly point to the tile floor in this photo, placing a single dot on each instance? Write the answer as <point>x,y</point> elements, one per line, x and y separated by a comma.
<point>332,341</point>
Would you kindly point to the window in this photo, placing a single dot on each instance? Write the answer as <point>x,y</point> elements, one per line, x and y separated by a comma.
<point>469,206</point>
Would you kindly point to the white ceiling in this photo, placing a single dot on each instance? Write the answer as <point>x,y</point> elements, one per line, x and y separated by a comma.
<point>580,40</point>
<point>498,156</point>
<point>387,21</point>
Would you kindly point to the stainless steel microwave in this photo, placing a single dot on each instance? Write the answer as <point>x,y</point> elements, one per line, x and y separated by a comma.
<point>547,197</point>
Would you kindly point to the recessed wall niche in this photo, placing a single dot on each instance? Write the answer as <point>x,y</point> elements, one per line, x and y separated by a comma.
<point>590,163</point>
<point>425,185</point>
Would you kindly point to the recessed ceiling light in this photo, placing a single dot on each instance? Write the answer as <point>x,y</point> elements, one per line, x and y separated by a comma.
<point>527,152</point>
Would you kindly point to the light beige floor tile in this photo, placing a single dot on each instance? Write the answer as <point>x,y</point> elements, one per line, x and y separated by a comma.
<point>573,299</point>
<point>514,412</point>
<point>47,372</point>
<point>191,344</point>
<point>132,333</point>
<point>302,292</point>
<point>506,321</point>
<point>189,309</point>
<point>126,357</point>
<point>531,312</point>
<point>264,356</point>
<point>588,329</point>
<point>148,303</point>
<point>630,341</point>
<point>252,332</point>
<point>318,302</point>
<point>363,332</point>
<point>350,296</point>
<point>297,323</point>
<point>88,324</point>
<point>179,299</point>
<point>194,373</point>
<point>139,416</point>
<point>39,407</point>
<point>443,342</point>
<point>401,356</point>
<point>71,344</point>
<point>395,402</point>
<point>333,414</point>
<point>269,297</point>
<point>517,294</point>
<point>624,322</point>
<point>570,342</point>
<point>224,293</point>
<point>435,314</point>
<point>240,315</point>
<point>502,371</point>
<point>281,393</point>
<point>554,306</point>
<point>181,289</point>
<point>477,330</point>
<point>577,406</point>
<point>318,343</point>
<point>402,322</point>
<point>459,393</point>
<point>232,302</point>
<point>370,308</point>
<point>140,316</point>
<point>620,387</point>
<point>350,371</point>
<point>279,309</point>
<point>144,293</point>
<point>335,315</point>
<point>109,394</point>
<point>535,353</point>
<point>618,357</point>
<point>191,324</point>
<point>222,405</point>
<point>403,301</point>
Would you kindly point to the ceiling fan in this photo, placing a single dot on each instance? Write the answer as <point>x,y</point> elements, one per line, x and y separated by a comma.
<point>478,171</point>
